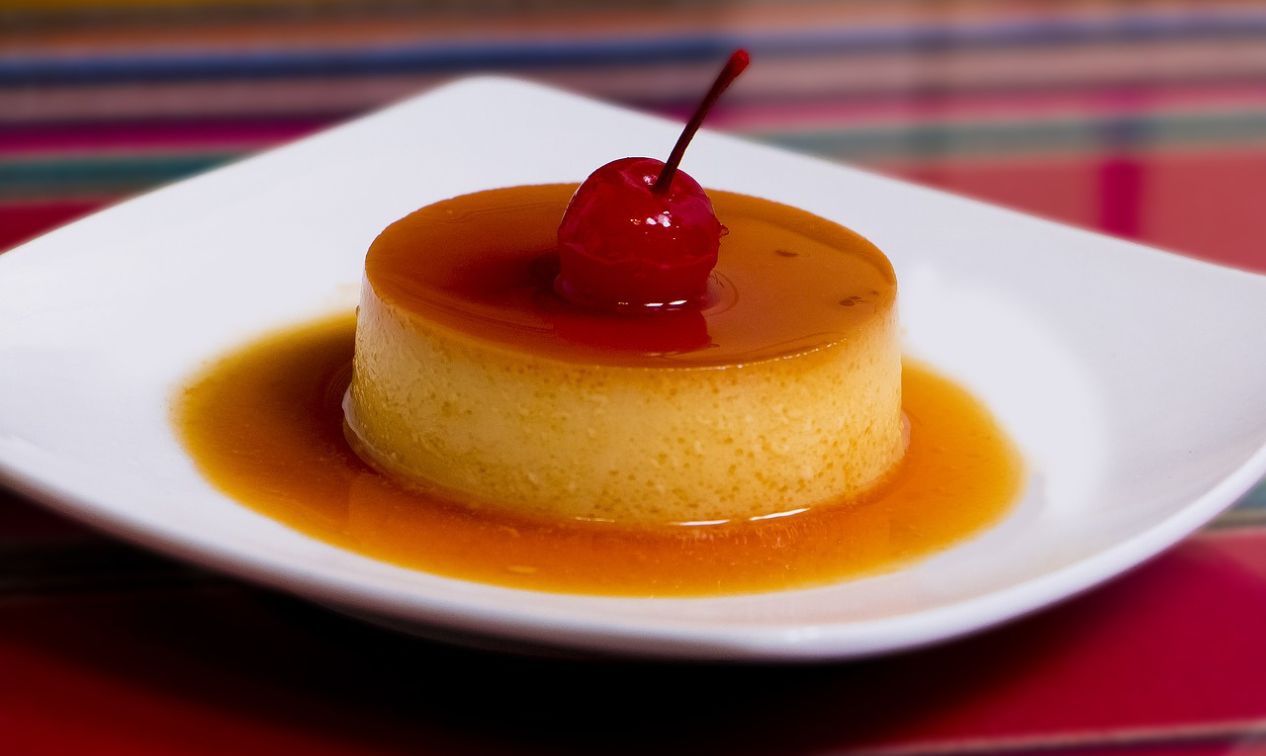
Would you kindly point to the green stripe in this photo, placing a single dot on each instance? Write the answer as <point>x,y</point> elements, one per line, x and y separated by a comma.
<point>1248,511</point>
<point>101,174</point>
<point>1255,499</point>
<point>108,167</point>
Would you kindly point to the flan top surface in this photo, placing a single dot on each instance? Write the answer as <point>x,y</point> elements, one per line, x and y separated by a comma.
<point>482,266</point>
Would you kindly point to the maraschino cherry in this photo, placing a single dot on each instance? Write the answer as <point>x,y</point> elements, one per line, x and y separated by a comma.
<point>639,234</point>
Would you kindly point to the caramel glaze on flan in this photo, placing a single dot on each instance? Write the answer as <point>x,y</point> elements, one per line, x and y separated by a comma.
<point>471,376</point>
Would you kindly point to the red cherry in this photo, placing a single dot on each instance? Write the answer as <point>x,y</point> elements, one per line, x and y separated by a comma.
<point>640,234</point>
<point>622,245</point>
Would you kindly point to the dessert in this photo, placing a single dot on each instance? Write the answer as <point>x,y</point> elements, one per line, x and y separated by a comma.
<point>543,404</point>
<point>599,368</point>
<point>780,392</point>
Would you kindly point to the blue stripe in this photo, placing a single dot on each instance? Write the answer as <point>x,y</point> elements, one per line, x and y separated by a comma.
<point>447,57</point>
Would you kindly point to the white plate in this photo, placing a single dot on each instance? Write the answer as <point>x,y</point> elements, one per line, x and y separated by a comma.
<point>1132,379</point>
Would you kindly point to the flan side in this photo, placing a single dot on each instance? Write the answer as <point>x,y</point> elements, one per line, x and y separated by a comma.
<point>623,443</point>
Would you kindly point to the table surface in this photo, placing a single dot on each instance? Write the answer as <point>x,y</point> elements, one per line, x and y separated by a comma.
<point>1146,120</point>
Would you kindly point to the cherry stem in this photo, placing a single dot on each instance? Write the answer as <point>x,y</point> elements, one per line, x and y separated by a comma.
<point>733,67</point>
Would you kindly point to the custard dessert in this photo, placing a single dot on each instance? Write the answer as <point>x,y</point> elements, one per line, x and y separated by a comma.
<point>779,389</point>
<point>543,384</point>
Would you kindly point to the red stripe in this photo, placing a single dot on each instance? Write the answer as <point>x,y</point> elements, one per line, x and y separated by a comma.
<point>16,140</point>
<point>23,220</point>
<point>1175,644</point>
<point>1121,180</point>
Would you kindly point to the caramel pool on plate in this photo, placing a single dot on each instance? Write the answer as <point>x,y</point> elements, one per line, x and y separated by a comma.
<point>264,425</point>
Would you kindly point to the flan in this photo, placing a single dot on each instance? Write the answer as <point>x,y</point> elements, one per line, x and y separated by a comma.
<point>780,391</point>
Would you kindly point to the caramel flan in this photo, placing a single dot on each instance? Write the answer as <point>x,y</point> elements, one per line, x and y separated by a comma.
<point>779,390</point>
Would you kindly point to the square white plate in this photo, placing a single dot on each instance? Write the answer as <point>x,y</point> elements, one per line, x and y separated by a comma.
<point>1133,380</point>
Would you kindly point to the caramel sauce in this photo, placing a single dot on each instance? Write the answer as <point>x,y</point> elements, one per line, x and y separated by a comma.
<point>264,425</point>
<point>483,264</point>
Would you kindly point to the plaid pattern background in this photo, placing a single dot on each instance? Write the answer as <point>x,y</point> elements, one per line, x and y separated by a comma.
<point>1145,120</point>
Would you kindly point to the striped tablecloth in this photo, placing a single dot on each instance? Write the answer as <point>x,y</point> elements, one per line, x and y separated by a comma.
<point>1142,119</point>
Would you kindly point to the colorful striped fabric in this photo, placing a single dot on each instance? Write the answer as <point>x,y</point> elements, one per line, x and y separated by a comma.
<point>101,101</point>
<point>1142,119</point>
